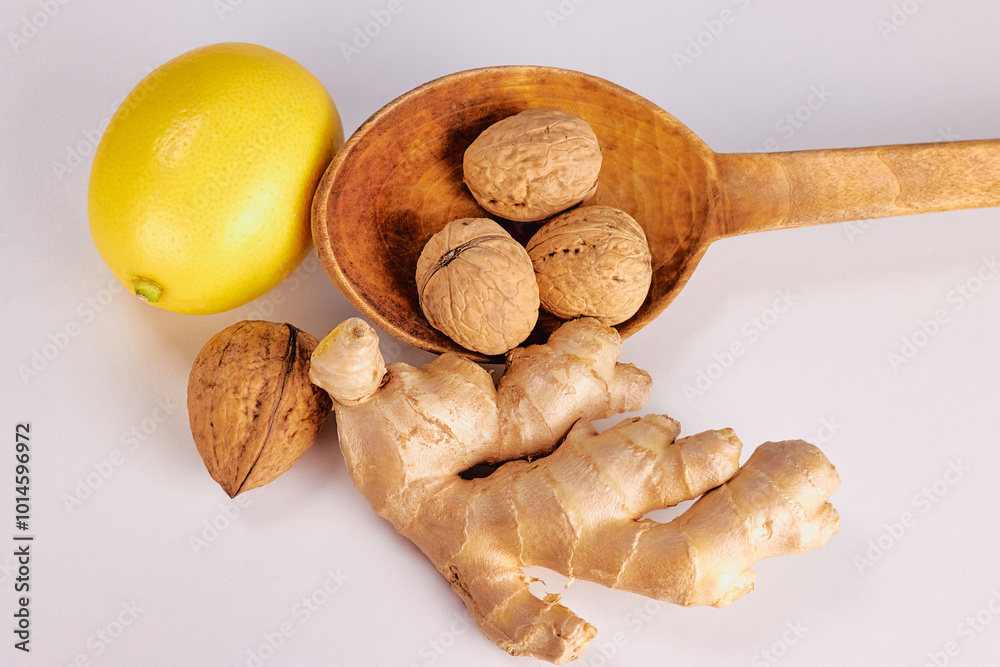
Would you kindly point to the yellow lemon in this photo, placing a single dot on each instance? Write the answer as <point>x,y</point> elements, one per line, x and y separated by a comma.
<point>201,185</point>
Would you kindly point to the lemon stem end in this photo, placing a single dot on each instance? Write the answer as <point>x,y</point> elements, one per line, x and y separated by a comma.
<point>146,290</point>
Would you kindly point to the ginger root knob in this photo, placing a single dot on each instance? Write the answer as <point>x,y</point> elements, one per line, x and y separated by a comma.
<point>348,363</point>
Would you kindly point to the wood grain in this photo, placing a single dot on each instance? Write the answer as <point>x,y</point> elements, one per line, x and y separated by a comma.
<point>780,190</point>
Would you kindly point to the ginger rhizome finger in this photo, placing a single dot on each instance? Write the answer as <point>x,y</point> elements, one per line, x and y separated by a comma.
<point>349,364</point>
<point>567,497</point>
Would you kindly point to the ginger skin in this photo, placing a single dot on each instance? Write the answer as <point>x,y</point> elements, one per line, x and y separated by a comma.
<point>577,510</point>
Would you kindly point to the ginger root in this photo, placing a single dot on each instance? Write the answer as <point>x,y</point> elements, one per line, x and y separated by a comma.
<point>578,509</point>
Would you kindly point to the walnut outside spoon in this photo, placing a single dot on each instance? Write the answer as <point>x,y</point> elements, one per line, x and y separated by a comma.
<point>398,180</point>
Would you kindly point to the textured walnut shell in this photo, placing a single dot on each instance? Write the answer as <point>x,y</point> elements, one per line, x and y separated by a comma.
<point>476,285</point>
<point>252,408</point>
<point>533,165</point>
<point>592,261</point>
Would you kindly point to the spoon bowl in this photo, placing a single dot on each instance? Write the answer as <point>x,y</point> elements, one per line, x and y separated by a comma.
<point>398,180</point>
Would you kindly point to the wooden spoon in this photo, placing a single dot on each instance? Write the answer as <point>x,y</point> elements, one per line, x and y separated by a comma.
<point>398,180</point>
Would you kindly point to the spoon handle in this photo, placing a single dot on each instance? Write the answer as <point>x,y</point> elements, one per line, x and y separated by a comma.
<point>764,191</point>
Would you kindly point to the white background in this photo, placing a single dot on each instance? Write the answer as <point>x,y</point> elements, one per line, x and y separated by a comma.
<point>878,593</point>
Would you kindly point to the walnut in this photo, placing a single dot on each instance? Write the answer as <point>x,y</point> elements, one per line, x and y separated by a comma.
<point>477,286</point>
<point>592,261</point>
<point>533,165</point>
<point>252,408</point>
